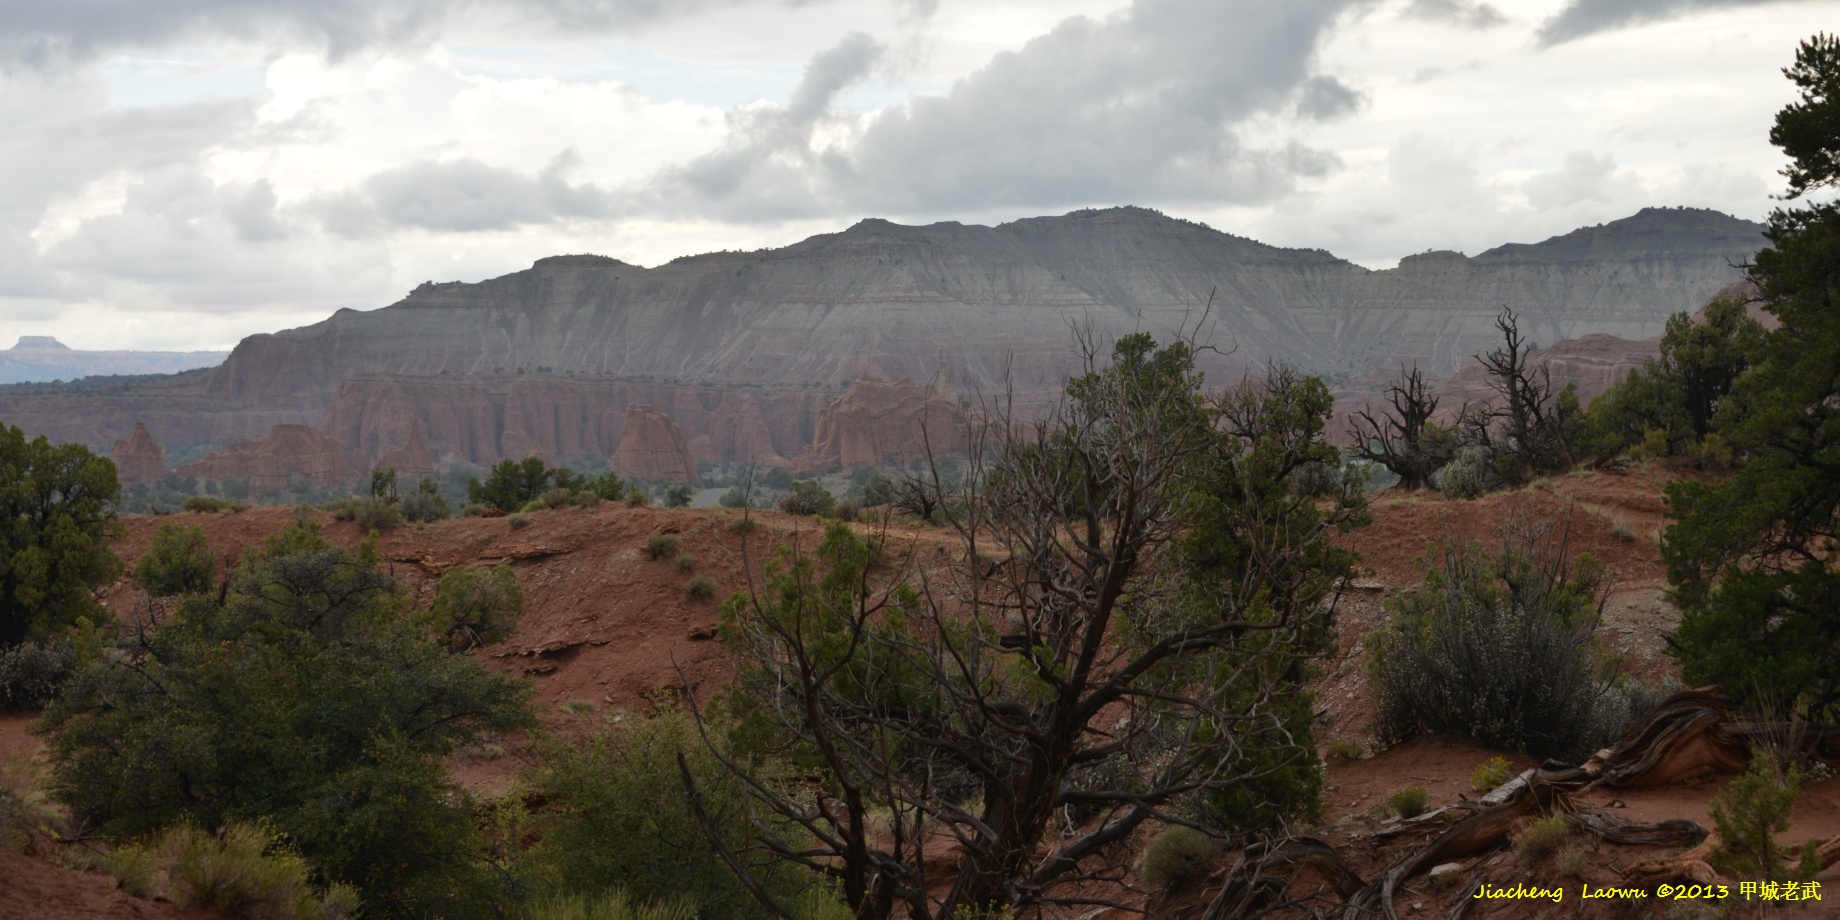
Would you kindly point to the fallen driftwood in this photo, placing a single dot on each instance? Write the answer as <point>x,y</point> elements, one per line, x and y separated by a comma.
<point>1691,733</point>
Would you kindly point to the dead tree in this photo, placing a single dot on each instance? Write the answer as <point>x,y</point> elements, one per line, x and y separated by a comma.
<point>1528,429</point>
<point>1121,629</point>
<point>1405,441</point>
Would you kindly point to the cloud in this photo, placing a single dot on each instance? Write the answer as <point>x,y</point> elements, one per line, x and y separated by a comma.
<point>1141,106</point>
<point>1468,13</point>
<point>1326,99</point>
<point>1580,176</point>
<point>461,196</point>
<point>1581,18</point>
<point>41,34</point>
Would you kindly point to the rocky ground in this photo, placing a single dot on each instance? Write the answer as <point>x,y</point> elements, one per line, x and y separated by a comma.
<point>605,627</point>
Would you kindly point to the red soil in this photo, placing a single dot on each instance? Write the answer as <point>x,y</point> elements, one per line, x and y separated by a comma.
<point>605,628</point>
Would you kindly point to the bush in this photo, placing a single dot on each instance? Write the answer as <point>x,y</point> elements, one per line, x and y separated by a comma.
<point>1468,476</point>
<point>733,498</point>
<point>306,698</point>
<point>678,496</point>
<point>377,514</point>
<point>1749,814</point>
<point>847,510</point>
<point>241,871</point>
<point>32,672</point>
<point>54,546</point>
<point>136,870</point>
<point>660,546</point>
<point>475,605</point>
<point>1489,776</point>
<point>879,490</point>
<point>1408,802</point>
<point>517,521</point>
<point>423,508</point>
<point>702,587</point>
<point>635,496</point>
<point>620,821</point>
<point>1180,855</point>
<point>613,906</point>
<point>686,563</point>
<point>178,561</point>
<point>808,498</point>
<point>742,526</point>
<point>1542,838</point>
<point>1500,649</point>
<point>211,504</point>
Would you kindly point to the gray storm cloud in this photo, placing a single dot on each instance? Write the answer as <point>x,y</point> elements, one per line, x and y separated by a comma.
<point>461,196</point>
<point>1140,106</point>
<point>1469,13</point>
<point>37,33</point>
<point>1581,18</point>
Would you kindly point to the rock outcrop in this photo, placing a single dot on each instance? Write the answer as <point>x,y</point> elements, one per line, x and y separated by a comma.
<point>651,447</point>
<point>880,421</point>
<point>139,459</point>
<point>287,454</point>
<point>412,459</point>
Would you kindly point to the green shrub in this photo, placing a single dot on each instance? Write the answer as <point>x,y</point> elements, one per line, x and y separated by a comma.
<point>660,546</point>
<point>475,605</point>
<point>517,521</point>
<point>808,498</point>
<point>1501,649</point>
<point>1346,751</point>
<point>678,496</point>
<point>613,906</point>
<point>702,587</point>
<point>1408,802</point>
<point>204,504</point>
<point>1749,814</point>
<point>178,561</point>
<point>1180,855</point>
<point>242,871</point>
<point>742,526</point>
<point>1572,861</point>
<point>619,820</point>
<point>1490,775</point>
<point>686,563</point>
<point>304,697</point>
<point>1468,476</point>
<point>847,510</point>
<point>378,514</point>
<point>424,505</point>
<point>32,672</point>
<point>54,543</point>
<point>735,497</point>
<point>1542,838</point>
<point>136,870</point>
<point>635,496</point>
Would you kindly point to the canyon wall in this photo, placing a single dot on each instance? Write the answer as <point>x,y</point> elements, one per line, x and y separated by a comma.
<point>881,421</point>
<point>286,454</point>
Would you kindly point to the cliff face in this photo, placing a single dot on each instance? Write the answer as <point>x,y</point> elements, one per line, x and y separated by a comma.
<point>410,460</point>
<point>889,300</point>
<point>487,419</point>
<point>876,421</point>
<point>140,458</point>
<point>269,462</point>
<point>732,331</point>
<point>651,447</point>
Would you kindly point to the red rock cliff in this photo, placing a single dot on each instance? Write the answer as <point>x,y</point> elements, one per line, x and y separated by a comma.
<point>878,421</point>
<point>271,461</point>
<point>412,459</point>
<point>651,447</point>
<point>140,458</point>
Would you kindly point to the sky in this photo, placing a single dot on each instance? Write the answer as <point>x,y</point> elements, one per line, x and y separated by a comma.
<point>183,173</point>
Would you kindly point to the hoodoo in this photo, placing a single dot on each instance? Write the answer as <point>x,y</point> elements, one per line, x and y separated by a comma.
<point>140,458</point>
<point>287,452</point>
<point>877,421</point>
<point>651,447</point>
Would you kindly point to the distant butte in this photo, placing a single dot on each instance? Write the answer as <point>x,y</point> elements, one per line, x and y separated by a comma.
<point>744,351</point>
